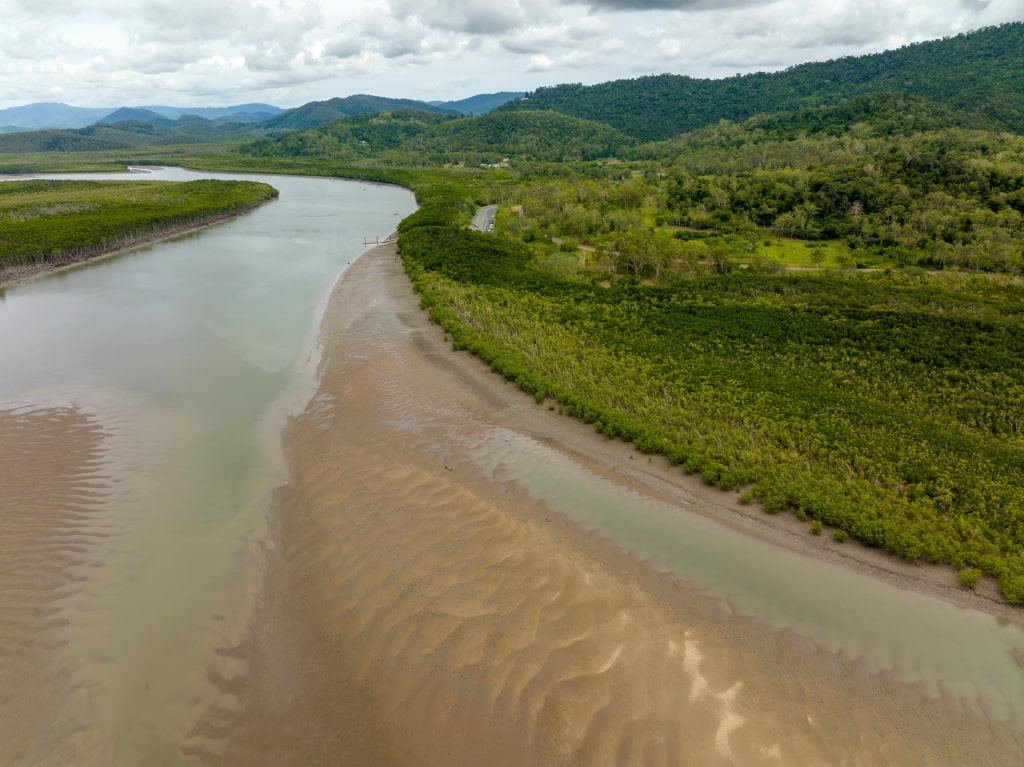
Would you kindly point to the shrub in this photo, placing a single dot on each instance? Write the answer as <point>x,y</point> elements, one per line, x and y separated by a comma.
<point>969,577</point>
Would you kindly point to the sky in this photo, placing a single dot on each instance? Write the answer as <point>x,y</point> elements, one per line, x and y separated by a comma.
<point>108,53</point>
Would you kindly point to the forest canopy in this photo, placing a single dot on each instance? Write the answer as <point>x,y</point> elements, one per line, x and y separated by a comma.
<point>980,72</point>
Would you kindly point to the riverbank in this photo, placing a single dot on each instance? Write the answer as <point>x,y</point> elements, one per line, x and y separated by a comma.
<point>424,607</point>
<point>620,462</point>
<point>11,275</point>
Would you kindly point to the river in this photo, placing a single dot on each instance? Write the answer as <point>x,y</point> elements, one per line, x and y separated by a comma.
<point>141,403</point>
<point>141,406</point>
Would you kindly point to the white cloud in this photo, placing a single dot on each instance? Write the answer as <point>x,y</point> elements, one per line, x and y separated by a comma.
<point>540,63</point>
<point>1001,12</point>
<point>477,17</point>
<point>194,52</point>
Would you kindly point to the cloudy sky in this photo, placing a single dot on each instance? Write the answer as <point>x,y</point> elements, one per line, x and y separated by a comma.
<point>289,52</point>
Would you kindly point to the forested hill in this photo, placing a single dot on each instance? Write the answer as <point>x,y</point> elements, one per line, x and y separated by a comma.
<point>412,136</point>
<point>319,112</point>
<point>979,72</point>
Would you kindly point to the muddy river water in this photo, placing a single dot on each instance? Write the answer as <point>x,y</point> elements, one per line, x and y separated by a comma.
<point>149,524</point>
<point>141,402</point>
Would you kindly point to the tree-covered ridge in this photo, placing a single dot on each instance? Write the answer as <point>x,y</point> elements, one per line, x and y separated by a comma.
<point>348,138</point>
<point>888,114</point>
<point>56,141</point>
<point>889,407</point>
<point>61,221</point>
<point>123,135</point>
<point>418,138</point>
<point>526,135</point>
<point>980,72</point>
<point>319,112</point>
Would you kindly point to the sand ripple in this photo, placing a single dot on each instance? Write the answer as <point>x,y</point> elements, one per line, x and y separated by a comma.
<point>422,610</point>
<point>48,461</point>
<point>468,636</point>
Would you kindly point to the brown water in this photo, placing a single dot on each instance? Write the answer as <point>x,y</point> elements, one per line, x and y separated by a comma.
<point>419,591</point>
<point>141,401</point>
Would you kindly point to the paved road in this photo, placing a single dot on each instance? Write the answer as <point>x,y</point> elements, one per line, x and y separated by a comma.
<point>483,221</point>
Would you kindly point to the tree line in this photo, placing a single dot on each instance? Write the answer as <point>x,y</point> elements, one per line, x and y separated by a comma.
<point>54,222</point>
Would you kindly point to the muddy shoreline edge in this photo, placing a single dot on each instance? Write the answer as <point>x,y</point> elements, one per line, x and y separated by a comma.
<point>654,475</point>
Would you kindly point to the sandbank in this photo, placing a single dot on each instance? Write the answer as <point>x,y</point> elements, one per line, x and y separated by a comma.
<point>421,609</point>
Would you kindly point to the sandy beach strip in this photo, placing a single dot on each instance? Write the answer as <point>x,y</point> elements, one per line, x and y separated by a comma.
<point>421,610</point>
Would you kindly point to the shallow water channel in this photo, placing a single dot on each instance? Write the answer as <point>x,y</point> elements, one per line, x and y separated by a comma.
<point>141,405</point>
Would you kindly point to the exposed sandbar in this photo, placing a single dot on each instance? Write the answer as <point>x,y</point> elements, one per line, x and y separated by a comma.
<point>421,611</point>
<point>49,489</point>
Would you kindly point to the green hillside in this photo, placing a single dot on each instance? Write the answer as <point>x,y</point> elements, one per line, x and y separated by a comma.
<point>56,141</point>
<point>980,72</point>
<point>526,135</point>
<point>319,112</point>
<point>426,138</point>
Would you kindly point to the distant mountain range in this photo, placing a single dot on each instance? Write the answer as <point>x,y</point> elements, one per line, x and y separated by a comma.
<point>52,115</point>
<point>972,82</point>
<point>48,116</point>
<point>478,105</point>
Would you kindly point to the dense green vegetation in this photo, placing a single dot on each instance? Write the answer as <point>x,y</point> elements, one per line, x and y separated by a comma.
<point>937,198</point>
<point>762,193</point>
<point>980,72</point>
<point>62,221</point>
<point>351,138</point>
<point>412,138</point>
<point>887,406</point>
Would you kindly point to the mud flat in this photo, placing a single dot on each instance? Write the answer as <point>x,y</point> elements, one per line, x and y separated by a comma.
<point>423,607</point>
<point>50,489</point>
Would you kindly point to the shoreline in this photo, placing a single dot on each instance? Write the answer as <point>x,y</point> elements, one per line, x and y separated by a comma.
<point>621,463</point>
<point>16,275</point>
